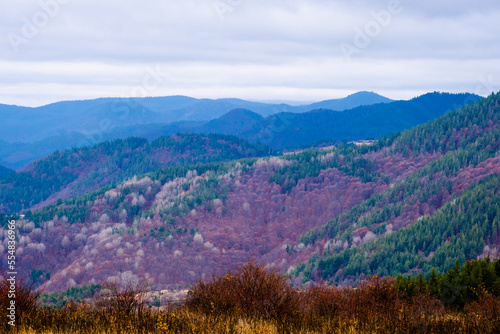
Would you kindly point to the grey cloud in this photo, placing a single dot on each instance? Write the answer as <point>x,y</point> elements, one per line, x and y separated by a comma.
<point>256,48</point>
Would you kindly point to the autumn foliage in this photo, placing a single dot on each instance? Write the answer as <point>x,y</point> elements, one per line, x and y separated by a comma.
<point>25,299</point>
<point>250,291</point>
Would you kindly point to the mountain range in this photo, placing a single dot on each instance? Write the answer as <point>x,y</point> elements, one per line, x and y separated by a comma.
<point>424,197</point>
<point>319,126</point>
<point>324,125</point>
<point>86,116</point>
<point>28,134</point>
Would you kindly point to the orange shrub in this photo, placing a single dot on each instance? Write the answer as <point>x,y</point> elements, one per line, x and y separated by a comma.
<point>325,302</point>
<point>251,291</point>
<point>25,300</point>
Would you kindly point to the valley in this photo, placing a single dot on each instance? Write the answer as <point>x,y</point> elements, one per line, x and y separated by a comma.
<point>336,214</point>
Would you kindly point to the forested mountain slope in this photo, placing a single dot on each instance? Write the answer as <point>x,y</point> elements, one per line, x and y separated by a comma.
<point>4,171</point>
<point>69,173</point>
<point>408,226</point>
<point>365,122</point>
<point>410,201</point>
<point>236,122</point>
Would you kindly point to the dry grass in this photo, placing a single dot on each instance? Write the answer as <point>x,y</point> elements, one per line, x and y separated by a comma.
<point>252,300</point>
<point>181,320</point>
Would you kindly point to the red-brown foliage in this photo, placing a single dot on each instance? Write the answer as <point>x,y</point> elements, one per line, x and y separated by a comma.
<point>25,299</point>
<point>251,291</point>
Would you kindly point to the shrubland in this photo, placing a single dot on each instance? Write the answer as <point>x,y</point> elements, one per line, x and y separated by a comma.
<point>252,299</point>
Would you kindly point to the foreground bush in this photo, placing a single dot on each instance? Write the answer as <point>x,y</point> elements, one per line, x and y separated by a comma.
<point>25,300</point>
<point>127,301</point>
<point>251,291</point>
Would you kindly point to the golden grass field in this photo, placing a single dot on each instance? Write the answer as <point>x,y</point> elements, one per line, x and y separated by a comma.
<point>184,321</point>
<point>253,300</point>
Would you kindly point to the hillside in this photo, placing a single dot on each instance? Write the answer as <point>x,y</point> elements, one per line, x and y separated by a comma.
<point>236,122</point>
<point>69,173</point>
<point>335,214</point>
<point>366,122</point>
<point>445,212</point>
<point>4,171</point>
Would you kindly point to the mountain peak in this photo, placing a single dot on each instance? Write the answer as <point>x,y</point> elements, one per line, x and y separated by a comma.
<point>368,95</point>
<point>358,99</point>
<point>234,122</point>
<point>240,114</point>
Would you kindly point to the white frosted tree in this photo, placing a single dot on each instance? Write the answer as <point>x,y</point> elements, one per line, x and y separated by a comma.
<point>104,218</point>
<point>123,215</point>
<point>65,242</point>
<point>198,238</point>
<point>28,227</point>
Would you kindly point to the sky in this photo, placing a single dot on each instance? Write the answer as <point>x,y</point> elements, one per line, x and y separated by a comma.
<point>261,50</point>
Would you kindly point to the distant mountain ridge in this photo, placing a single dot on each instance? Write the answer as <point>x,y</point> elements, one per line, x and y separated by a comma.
<point>94,121</point>
<point>352,101</point>
<point>373,121</point>
<point>24,124</point>
<point>31,133</point>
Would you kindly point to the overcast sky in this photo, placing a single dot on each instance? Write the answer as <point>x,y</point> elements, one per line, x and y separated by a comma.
<point>266,50</point>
